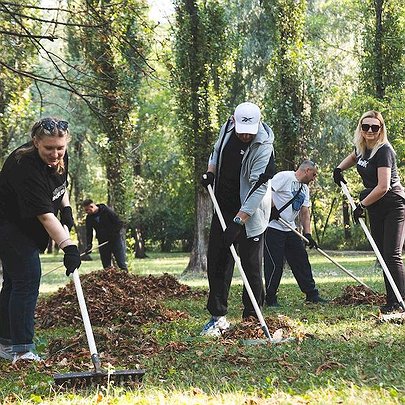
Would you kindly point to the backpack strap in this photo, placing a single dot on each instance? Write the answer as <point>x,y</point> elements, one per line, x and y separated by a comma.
<point>292,199</point>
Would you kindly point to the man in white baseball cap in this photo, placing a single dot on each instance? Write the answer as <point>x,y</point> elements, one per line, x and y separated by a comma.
<point>247,118</point>
<point>239,167</point>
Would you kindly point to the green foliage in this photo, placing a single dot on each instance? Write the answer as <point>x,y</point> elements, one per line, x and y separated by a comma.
<point>112,43</point>
<point>17,53</point>
<point>382,54</point>
<point>199,72</point>
<point>285,72</point>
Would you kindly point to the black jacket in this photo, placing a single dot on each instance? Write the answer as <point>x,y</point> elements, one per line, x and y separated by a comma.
<point>105,222</point>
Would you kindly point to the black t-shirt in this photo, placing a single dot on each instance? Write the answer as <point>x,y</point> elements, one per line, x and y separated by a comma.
<point>367,167</point>
<point>228,188</point>
<point>29,188</point>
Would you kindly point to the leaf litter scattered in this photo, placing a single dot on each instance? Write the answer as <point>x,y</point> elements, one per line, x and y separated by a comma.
<point>359,295</point>
<point>119,304</point>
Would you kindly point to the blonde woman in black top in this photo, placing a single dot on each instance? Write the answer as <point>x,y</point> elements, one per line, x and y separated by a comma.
<point>383,196</point>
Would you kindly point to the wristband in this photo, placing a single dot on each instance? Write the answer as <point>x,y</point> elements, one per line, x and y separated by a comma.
<point>362,205</point>
<point>62,241</point>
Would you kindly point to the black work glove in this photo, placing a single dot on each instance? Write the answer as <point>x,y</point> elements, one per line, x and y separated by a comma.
<point>71,260</point>
<point>311,242</point>
<point>338,176</point>
<point>275,214</point>
<point>66,217</point>
<point>231,233</point>
<point>358,213</point>
<point>207,179</point>
<point>89,248</point>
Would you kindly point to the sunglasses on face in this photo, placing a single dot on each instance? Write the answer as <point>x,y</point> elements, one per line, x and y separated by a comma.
<point>374,128</point>
<point>50,125</point>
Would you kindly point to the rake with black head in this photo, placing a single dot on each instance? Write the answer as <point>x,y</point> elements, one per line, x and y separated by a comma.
<point>99,376</point>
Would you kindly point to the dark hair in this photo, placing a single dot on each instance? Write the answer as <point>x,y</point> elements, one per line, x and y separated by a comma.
<point>87,202</point>
<point>39,130</point>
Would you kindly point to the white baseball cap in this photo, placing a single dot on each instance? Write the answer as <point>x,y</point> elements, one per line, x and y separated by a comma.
<point>247,118</point>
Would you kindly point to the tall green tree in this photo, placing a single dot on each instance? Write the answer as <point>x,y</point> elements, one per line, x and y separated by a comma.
<point>286,96</point>
<point>17,53</point>
<point>200,61</point>
<point>383,45</point>
<point>111,44</point>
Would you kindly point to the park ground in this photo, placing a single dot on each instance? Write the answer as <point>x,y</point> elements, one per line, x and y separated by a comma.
<point>342,353</point>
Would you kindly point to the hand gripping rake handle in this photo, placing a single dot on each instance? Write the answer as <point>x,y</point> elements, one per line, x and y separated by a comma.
<point>82,254</point>
<point>375,248</point>
<point>239,265</point>
<point>325,254</point>
<point>86,320</point>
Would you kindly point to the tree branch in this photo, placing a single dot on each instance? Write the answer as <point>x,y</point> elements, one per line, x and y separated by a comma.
<point>16,34</point>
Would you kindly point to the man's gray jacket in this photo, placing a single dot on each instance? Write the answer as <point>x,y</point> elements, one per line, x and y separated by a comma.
<point>254,163</point>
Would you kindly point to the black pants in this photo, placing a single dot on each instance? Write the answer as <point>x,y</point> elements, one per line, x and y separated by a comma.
<point>387,225</point>
<point>280,244</point>
<point>116,247</point>
<point>220,264</point>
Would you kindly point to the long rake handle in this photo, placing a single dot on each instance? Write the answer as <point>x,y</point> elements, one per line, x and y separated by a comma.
<point>86,320</point>
<point>325,254</point>
<point>239,265</point>
<point>375,248</point>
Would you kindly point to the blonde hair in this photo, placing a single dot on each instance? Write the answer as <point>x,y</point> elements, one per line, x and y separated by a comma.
<point>359,140</point>
<point>39,132</point>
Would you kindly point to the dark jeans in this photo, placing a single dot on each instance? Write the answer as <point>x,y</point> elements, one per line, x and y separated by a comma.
<point>114,247</point>
<point>387,225</point>
<point>19,293</point>
<point>220,265</point>
<point>280,244</point>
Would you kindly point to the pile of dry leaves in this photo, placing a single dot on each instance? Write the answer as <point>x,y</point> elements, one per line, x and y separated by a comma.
<point>357,295</point>
<point>251,328</point>
<point>114,297</point>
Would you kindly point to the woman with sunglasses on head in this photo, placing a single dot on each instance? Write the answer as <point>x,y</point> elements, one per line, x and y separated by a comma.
<point>383,196</point>
<point>33,190</point>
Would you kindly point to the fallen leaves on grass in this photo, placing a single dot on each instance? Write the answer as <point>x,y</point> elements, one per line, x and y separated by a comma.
<point>329,365</point>
<point>114,297</point>
<point>358,295</point>
<point>251,328</point>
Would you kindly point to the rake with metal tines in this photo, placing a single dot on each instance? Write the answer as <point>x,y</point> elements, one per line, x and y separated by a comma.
<point>99,376</point>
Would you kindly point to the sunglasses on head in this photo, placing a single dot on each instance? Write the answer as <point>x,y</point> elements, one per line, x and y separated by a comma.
<point>50,125</point>
<point>374,128</point>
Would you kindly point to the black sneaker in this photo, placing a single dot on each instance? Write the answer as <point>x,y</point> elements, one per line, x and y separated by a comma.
<point>316,300</point>
<point>390,307</point>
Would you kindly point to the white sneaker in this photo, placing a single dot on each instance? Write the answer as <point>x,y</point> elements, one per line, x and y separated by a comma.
<point>27,356</point>
<point>215,326</point>
<point>5,352</point>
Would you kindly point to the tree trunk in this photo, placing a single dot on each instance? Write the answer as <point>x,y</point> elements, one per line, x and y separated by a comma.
<point>198,257</point>
<point>81,236</point>
<point>379,57</point>
<point>139,244</point>
<point>346,220</point>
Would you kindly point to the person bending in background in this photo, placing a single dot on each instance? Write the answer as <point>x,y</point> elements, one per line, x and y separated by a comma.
<point>290,192</point>
<point>108,227</point>
<point>243,152</point>
<point>383,196</point>
<point>33,188</point>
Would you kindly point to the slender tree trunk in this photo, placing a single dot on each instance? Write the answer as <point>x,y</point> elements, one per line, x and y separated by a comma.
<point>346,220</point>
<point>139,244</point>
<point>379,57</point>
<point>198,257</point>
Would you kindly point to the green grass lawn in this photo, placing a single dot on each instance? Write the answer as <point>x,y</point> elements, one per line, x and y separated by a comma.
<point>346,358</point>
